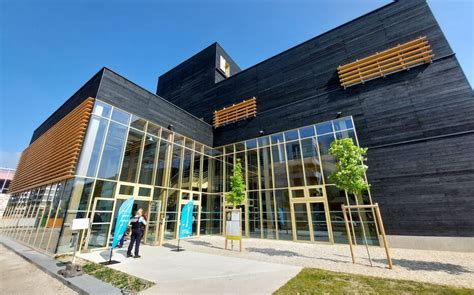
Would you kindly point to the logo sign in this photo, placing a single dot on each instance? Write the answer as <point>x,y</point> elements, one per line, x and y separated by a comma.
<point>123,217</point>
<point>186,221</point>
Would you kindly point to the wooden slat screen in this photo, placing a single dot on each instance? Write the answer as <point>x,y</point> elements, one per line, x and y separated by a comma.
<point>53,156</point>
<point>236,112</point>
<point>401,57</point>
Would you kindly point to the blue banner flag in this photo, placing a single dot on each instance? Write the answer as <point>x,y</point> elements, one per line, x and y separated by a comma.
<point>186,220</point>
<point>123,217</point>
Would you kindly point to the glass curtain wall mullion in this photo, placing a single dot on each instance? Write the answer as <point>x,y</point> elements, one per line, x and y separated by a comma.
<point>83,240</point>
<point>6,221</point>
<point>50,205</point>
<point>15,199</point>
<point>201,168</point>
<point>19,212</point>
<point>156,160</point>
<point>292,209</point>
<point>259,194</point>
<point>36,223</point>
<point>63,201</point>
<point>15,214</point>
<point>273,193</point>
<point>130,162</point>
<point>23,219</point>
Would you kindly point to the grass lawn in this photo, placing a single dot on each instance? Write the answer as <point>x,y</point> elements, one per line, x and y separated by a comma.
<point>316,281</point>
<point>106,274</point>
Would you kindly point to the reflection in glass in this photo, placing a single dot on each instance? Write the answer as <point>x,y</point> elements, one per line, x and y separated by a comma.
<point>343,124</point>
<point>266,180</point>
<point>98,235</point>
<point>131,156</point>
<point>175,165</point>
<point>327,161</point>
<point>120,116</point>
<point>160,172</point>
<point>229,166</point>
<point>252,170</point>
<point>104,189</point>
<point>171,215</point>
<point>101,109</point>
<point>148,160</point>
<point>91,147</point>
<point>196,180</point>
<point>112,153</point>
<point>306,132</point>
<point>324,128</point>
<point>312,165</point>
<point>320,228</point>
<point>282,201</point>
<point>153,129</point>
<point>347,134</point>
<point>277,138</point>
<point>187,160</point>
<point>138,123</point>
<point>268,215</point>
<point>301,222</point>
<point>295,168</point>
<point>291,135</point>
<point>211,214</point>
<point>254,214</point>
<point>279,166</point>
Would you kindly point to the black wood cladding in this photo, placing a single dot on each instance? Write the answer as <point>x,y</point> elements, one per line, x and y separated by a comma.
<point>424,188</point>
<point>418,124</point>
<point>130,97</point>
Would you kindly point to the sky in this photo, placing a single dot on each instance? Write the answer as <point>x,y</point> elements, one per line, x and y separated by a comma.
<point>50,48</point>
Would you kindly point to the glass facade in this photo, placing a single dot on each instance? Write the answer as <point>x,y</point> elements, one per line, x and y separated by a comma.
<point>289,195</point>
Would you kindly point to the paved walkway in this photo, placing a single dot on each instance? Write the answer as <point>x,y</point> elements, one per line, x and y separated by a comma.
<point>17,276</point>
<point>437,267</point>
<point>191,272</point>
<point>84,284</point>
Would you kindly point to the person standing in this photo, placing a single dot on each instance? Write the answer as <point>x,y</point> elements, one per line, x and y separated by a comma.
<point>138,224</point>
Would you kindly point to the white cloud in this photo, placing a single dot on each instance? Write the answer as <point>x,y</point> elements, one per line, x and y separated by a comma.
<point>9,159</point>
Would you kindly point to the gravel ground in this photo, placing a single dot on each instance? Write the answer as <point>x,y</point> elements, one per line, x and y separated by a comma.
<point>17,276</point>
<point>438,267</point>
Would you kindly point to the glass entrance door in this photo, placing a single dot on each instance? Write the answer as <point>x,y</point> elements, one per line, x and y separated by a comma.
<point>152,234</point>
<point>101,220</point>
<point>310,215</point>
<point>185,197</point>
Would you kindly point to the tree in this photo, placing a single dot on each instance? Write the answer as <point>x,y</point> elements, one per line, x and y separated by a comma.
<point>236,196</point>
<point>350,172</point>
<point>350,168</point>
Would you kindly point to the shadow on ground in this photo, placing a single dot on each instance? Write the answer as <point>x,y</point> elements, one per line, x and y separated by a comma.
<point>203,243</point>
<point>275,252</point>
<point>449,268</point>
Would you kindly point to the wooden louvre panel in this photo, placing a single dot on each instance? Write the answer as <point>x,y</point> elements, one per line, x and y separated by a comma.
<point>53,156</point>
<point>236,112</point>
<point>380,64</point>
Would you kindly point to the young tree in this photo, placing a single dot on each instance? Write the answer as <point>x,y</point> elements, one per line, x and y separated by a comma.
<point>350,168</point>
<point>236,196</point>
<point>350,172</point>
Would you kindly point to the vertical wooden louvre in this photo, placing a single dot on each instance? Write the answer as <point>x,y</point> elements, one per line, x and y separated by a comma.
<point>401,57</point>
<point>54,155</point>
<point>236,112</point>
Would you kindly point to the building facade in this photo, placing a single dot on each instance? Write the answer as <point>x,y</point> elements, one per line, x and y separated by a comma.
<point>388,80</point>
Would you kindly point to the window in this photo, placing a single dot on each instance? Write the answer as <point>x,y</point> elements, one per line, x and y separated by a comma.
<point>224,66</point>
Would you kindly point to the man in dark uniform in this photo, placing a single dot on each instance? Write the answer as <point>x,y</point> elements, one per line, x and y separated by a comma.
<point>138,224</point>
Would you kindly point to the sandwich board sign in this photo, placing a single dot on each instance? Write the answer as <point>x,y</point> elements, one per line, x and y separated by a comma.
<point>233,226</point>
